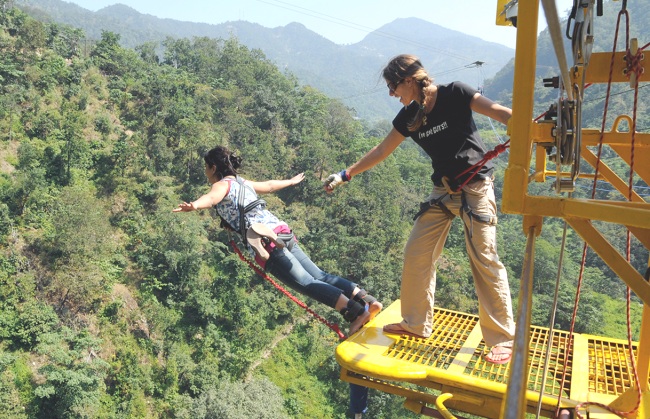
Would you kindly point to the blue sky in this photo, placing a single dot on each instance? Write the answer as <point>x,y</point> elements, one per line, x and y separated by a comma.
<point>341,21</point>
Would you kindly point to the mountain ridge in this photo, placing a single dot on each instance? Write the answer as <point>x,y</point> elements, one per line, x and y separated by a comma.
<point>348,72</point>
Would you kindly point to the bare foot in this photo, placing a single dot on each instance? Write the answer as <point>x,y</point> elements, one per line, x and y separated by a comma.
<point>359,322</point>
<point>499,355</point>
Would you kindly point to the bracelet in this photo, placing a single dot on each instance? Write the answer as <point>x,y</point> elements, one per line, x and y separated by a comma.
<point>344,175</point>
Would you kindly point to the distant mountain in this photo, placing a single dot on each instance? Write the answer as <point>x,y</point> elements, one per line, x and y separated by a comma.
<point>348,72</point>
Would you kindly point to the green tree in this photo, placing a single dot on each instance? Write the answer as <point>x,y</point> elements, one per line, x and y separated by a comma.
<point>11,403</point>
<point>106,51</point>
<point>80,246</point>
<point>65,40</point>
<point>148,52</point>
<point>31,36</point>
<point>34,319</point>
<point>258,398</point>
<point>74,377</point>
<point>6,222</point>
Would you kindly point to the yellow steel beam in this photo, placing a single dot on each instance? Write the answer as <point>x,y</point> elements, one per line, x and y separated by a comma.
<point>643,354</point>
<point>540,165</point>
<point>501,13</point>
<point>612,257</point>
<point>591,137</point>
<point>643,235</point>
<point>541,132</point>
<point>633,214</point>
<point>519,126</point>
<point>640,156</point>
<point>599,65</point>
<point>580,373</point>
<point>643,350</point>
<point>398,390</point>
<point>608,174</point>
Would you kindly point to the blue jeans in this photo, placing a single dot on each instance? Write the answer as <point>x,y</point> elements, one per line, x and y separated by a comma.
<point>295,269</point>
<point>358,398</point>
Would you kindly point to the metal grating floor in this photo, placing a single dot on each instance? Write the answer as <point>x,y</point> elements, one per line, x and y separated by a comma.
<point>537,352</point>
<point>450,331</point>
<point>598,369</point>
<point>610,371</point>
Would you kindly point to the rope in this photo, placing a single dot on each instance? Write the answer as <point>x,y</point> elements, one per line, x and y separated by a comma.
<point>333,326</point>
<point>489,155</point>
<point>585,246</point>
<point>551,329</point>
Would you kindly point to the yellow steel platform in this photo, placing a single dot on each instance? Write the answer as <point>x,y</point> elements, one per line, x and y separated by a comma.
<point>451,361</point>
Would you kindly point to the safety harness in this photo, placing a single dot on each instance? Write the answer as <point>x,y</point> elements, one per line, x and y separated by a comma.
<point>259,237</point>
<point>248,208</point>
<point>465,208</point>
<point>453,187</point>
<point>286,239</point>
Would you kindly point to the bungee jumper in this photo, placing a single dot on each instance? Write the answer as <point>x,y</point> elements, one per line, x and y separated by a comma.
<point>270,240</point>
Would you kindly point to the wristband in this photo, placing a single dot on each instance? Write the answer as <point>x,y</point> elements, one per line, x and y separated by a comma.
<point>344,175</point>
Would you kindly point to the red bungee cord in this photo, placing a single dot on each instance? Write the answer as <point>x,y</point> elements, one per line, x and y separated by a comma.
<point>334,327</point>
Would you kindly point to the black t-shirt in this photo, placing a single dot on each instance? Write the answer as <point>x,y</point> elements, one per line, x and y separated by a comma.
<point>450,136</point>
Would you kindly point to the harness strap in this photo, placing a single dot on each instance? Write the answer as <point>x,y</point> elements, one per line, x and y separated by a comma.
<point>482,218</point>
<point>425,206</point>
<point>288,239</point>
<point>451,185</point>
<point>352,310</point>
<point>364,298</point>
<point>248,208</point>
<point>240,205</point>
<point>243,210</point>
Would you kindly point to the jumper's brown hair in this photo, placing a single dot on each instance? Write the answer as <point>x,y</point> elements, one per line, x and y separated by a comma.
<point>225,160</point>
<point>402,67</point>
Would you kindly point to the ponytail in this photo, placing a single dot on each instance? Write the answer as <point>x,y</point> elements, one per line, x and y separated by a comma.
<point>420,117</point>
<point>226,162</point>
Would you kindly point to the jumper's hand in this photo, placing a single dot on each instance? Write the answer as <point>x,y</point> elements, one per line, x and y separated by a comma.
<point>184,207</point>
<point>297,178</point>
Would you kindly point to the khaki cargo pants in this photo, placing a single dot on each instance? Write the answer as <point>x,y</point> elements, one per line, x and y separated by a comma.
<point>421,255</point>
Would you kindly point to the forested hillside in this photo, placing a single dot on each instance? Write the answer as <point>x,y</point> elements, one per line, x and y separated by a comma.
<point>112,306</point>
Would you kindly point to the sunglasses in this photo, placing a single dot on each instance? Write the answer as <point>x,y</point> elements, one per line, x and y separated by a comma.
<point>393,86</point>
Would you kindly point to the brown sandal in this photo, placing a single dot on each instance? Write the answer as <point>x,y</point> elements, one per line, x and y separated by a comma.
<point>397,329</point>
